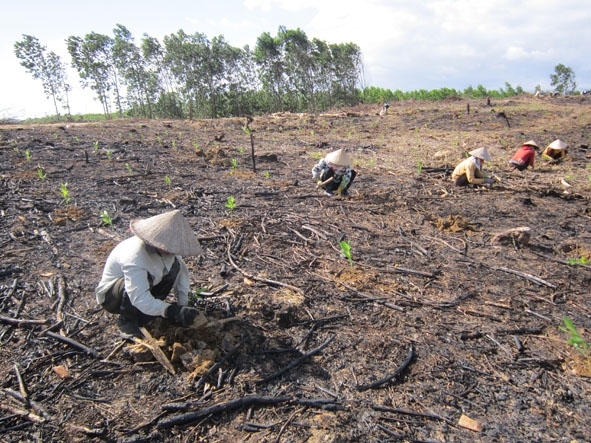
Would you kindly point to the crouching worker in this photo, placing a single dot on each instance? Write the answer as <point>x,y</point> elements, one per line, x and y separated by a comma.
<point>524,156</point>
<point>555,151</point>
<point>333,173</point>
<point>142,271</point>
<point>469,171</point>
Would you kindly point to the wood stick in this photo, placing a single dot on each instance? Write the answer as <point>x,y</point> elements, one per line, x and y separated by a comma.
<point>529,277</point>
<point>395,374</point>
<point>414,244</point>
<point>22,413</point>
<point>247,401</point>
<point>154,348</point>
<point>325,182</point>
<point>262,280</point>
<point>18,322</point>
<point>297,361</point>
<point>73,343</point>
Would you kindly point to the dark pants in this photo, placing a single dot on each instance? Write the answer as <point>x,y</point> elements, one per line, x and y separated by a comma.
<point>117,301</point>
<point>333,185</point>
<point>462,180</point>
<point>517,165</point>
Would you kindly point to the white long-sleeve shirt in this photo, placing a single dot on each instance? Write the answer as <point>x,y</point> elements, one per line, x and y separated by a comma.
<point>134,260</point>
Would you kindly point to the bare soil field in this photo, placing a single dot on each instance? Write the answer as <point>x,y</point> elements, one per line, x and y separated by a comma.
<point>443,327</point>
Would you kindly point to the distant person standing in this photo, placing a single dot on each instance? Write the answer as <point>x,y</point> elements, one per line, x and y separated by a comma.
<point>555,151</point>
<point>469,171</point>
<point>524,156</point>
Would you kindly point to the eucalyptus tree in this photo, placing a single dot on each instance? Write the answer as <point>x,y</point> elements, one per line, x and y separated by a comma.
<point>563,79</point>
<point>47,67</point>
<point>142,85</point>
<point>299,69</point>
<point>186,58</point>
<point>92,57</point>
<point>269,57</point>
<point>168,104</point>
<point>348,72</point>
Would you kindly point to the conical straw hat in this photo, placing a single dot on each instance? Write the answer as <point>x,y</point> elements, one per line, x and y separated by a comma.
<point>481,153</point>
<point>558,144</point>
<point>169,231</point>
<point>339,157</point>
<point>531,143</point>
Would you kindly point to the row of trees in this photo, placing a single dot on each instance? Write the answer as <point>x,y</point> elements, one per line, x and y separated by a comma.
<point>188,75</point>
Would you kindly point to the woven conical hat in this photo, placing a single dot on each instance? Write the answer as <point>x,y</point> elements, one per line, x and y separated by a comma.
<point>481,153</point>
<point>169,231</point>
<point>558,144</point>
<point>339,157</point>
<point>531,143</point>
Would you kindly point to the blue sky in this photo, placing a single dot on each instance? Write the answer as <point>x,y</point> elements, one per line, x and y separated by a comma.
<point>406,45</point>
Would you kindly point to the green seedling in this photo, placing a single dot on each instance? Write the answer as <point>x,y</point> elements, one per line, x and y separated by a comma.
<point>267,174</point>
<point>167,180</point>
<point>180,135</point>
<point>42,175</point>
<point>371,162</point>
<point>128,167</point>
<point>234,164</point>
<point>159,140</point>
<point>241,150</point>
<point>420,166</point>
<point>28,155</point>
<point>173,143</point>
<point>575,339</point>
<point>231,203</point>
<point>95,146</point>
<point>196,145</point>
<point>65,192</point>
<point>578,261</point>
<point>76,138</point>
<point>109,154</point>
<point>106,218</point>
<point>346,251</point>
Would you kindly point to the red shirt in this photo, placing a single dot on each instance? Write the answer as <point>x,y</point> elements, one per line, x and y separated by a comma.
<point>525,156</point>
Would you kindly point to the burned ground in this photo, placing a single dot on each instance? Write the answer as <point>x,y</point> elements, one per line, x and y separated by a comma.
<point>447,313</point>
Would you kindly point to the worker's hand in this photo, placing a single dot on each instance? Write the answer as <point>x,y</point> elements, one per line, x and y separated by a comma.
<point>489,181</point>
<point>182,314</point>
<point>318,183</point>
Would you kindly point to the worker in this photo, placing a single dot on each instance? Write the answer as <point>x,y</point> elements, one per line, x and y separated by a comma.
<point>470,172</point>
<point>555,151</point>
<point>333,173</point>
<point>524,156</point>
<point>142,270</point>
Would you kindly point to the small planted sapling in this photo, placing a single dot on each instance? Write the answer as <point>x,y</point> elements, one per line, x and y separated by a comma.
<point>167,180</point>
<point>575,339</point>
<point>267,174</point>
<point>65,192</point>
<point>95,146</point>
<point>231,203</point>
<point>106,218</point>
<point>28,155</point>
<point>234,165</point>
<point>42,175</point>
<point>346,251</point>
<point>128,167</point>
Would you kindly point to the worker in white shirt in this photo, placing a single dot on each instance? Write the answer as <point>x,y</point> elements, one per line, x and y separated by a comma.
<point>143,270</point>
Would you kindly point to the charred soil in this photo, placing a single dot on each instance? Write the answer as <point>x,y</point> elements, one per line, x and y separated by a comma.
<point>445,313</point>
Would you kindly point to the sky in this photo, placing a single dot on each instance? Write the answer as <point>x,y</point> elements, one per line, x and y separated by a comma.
<point>405,44</point>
